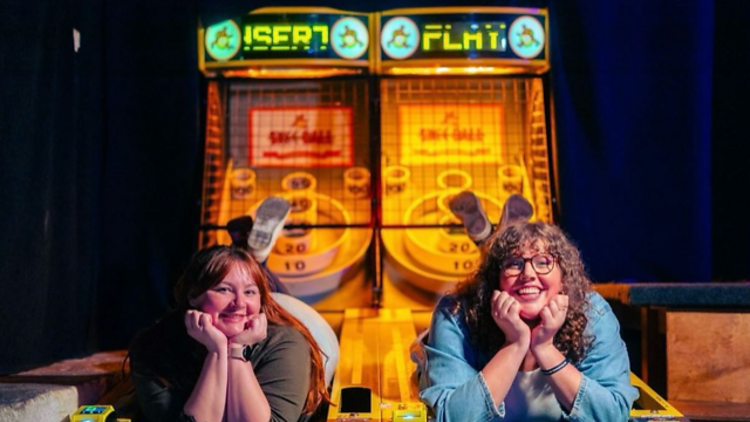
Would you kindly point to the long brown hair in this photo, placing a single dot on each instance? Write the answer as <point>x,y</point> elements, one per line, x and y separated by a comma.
<point>209,267</point>
<point>474,294</point>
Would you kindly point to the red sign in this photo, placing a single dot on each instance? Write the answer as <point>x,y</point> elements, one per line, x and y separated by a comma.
<point>300,137</point>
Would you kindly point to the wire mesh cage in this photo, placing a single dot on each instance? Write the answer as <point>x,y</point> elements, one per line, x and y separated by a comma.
<point>307,141</point>
<point>442,136</point>
<point>311,142</point>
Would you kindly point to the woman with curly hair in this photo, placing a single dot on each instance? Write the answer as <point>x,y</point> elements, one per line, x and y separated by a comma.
<point>229,351</point>
<point>525,338</point>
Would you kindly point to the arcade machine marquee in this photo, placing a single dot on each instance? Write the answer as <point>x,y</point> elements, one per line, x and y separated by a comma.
<point>275,126</point>
<point>369,124</point>
<point>463,106</point>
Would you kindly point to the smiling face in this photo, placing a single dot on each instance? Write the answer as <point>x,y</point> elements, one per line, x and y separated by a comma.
<point>232,301</point>
<point>532,290</point>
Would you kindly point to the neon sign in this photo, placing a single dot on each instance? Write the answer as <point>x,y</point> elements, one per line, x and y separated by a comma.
<point>350,38</point>
<point>300,136</point>
<point>504,37</point>
<point>284,37</point>
<point>223,40</point>
<point>399,38</point>
<point>450,133</point>
<point>482,36</point>
<point>476,35</point>
<point>263,36</point>
<point>527,37</point>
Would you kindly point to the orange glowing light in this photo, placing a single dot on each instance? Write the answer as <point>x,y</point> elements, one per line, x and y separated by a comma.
<point>450,133</point>
<point>290,73</point>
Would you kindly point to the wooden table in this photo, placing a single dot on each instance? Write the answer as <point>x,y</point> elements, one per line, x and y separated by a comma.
<point>701,333</point>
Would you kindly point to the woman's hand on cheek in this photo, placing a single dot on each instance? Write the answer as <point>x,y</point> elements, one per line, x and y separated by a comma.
<point>255,330</point>
<point>552,318</point>
<point>200,327</point>
<point>507,315</point>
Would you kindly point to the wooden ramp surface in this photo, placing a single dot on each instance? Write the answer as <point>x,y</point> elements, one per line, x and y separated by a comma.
<point>375,356</point>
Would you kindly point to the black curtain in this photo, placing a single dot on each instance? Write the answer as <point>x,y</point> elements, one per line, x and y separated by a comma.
<point>100,159</point>
<point>730,149</point>
<point>100,153</point>
<point>51,143</point>
<point>650,99</point>
<point>152,163</point>
<point>632,83</point>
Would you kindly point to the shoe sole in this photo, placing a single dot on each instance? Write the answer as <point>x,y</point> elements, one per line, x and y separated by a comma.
<point>516,208</point>
<point>467,208</point>
<point>269,221</point>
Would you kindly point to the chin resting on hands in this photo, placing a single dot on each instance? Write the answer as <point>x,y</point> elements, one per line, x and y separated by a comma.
<point>506,312</point>
<point>255,331</point>
<point>552,317</point>
<point>200,327</point>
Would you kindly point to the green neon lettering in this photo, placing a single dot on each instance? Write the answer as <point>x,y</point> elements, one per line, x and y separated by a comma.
<point>323,29</point>
<point>427,39</point>
<point>476,38</point>
<point>280,34</point>
<point>493,40</point>
<point>262,34</point>
<point>447,45</point>
<point>248,37</point>
<point>301,35</point>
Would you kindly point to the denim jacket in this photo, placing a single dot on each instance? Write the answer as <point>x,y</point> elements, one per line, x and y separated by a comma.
<point>452,385</point>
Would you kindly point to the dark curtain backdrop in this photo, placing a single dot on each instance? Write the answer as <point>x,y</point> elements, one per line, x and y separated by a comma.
<point>51,143</point>
<point>100,153</point>
<point>633,87</point>
<point>152,164</point>
<point>730,146</point>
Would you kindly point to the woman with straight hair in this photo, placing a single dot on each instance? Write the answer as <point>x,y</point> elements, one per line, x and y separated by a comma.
<point>228,352</point>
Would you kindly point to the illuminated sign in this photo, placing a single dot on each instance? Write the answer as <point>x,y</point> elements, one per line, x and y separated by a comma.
<point>481,36</point>
<point>285,37</point>
<point>450,133</point>
<point>350,38</point>
<point>514,36</point>
<point>300,137</point>
<point>399,38</point>
<point>527,37</point>
<point>223,40</point>
<point>262,36</point>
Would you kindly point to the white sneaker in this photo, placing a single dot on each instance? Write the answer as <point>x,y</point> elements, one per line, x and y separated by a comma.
<point>269,221</point>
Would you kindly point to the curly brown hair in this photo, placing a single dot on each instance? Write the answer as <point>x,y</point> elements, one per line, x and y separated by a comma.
<point>474,294</point>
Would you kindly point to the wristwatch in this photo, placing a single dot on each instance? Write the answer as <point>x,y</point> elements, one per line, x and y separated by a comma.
<point>242,353</point>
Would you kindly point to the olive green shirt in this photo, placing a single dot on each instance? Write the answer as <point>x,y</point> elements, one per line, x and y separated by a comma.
<point>281,363</point>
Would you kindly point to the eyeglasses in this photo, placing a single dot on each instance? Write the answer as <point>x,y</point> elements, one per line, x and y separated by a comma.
<point>542,263</point>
